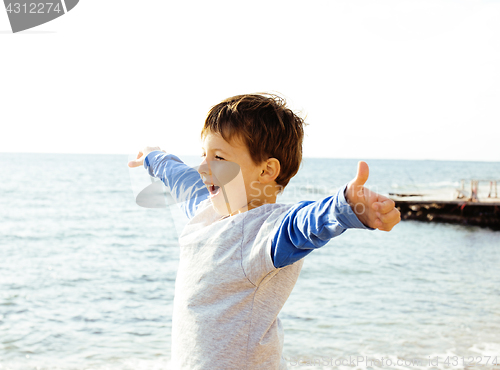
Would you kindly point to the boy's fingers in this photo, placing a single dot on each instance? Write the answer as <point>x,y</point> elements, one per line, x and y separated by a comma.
<point>142,154</point>
<point>391,217</point>
<point>137,162</point>
<point>389,220</point>
<point>384,205</point>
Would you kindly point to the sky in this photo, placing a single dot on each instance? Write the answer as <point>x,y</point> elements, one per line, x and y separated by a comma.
<point>395,79</point>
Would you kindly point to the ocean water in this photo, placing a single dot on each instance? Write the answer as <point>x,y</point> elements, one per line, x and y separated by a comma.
<point>87,276</point>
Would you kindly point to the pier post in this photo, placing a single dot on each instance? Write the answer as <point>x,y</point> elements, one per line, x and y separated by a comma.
<point>493,189</point>
<point>474,184</point>
<point>460,192</point>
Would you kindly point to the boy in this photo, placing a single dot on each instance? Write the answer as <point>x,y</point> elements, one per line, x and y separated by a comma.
<point>241,252</point>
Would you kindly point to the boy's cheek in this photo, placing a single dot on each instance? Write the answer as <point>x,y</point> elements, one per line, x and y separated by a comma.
<point>237,194</point>
<point>232,197</point>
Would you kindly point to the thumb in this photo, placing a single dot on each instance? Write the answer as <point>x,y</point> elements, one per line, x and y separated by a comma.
<point>362,175</point>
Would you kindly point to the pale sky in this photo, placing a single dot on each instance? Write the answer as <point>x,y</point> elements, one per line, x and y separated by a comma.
<point>377,79</point>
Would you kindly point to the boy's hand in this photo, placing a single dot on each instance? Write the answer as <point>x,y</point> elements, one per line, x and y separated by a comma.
<point>142,154</point>
<point>373,210</point>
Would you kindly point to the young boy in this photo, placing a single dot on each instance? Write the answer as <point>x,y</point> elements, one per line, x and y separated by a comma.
<point>241,252</point>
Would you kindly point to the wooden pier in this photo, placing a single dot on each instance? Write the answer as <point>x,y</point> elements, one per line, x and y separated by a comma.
<point>459,206</point>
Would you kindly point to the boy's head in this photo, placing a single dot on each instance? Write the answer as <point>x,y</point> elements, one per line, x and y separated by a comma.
<point>263,124</point>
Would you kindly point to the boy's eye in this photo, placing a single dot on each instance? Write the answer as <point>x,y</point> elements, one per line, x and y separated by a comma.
<point>203,155</point>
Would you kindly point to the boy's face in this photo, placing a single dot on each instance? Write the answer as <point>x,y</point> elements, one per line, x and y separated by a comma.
<point>229,173</point>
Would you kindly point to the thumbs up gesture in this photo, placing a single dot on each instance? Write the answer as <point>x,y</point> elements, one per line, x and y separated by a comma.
<point>373,210</point>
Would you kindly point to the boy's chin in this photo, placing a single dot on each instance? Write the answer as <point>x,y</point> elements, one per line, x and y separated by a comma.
<point>221,209</point>
<point>220,212</point>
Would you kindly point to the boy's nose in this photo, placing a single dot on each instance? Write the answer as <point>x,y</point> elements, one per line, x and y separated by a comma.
<point>204,168</point>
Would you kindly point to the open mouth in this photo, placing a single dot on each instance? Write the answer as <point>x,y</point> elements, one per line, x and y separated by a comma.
<point>214,190</point>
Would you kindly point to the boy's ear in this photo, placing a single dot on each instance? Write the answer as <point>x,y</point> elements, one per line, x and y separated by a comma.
<point>270,171</point>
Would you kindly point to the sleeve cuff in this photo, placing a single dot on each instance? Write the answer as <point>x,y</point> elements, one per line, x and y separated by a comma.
<point>348,218</point>
<point>150,159</point>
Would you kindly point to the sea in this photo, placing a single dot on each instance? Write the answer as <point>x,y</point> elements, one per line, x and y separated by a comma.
<point>87,276</point>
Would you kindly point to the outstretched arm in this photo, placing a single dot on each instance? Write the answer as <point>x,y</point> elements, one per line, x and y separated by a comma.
<point>310,225</point>
<point>184,182</point>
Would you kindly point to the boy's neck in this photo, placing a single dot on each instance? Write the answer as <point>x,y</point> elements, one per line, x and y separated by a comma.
<point>258,201</point>
<point>266,193</point>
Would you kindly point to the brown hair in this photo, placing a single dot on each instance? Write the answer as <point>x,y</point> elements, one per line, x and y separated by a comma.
<point>265,125</point>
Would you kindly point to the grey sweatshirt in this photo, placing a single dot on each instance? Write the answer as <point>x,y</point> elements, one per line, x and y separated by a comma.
<point>228,293</point>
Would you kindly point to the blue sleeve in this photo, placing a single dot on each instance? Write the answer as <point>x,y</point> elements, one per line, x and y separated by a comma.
<point>310,225</point>
<point>184,182</point>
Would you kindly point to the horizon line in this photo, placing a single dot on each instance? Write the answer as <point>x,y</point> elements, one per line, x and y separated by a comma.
<point>304,157</point>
